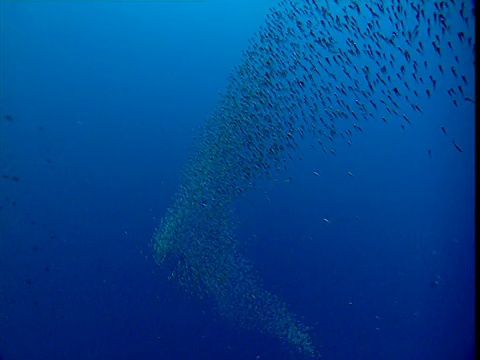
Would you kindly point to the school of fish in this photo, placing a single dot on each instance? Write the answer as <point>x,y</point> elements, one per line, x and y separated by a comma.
<point>316,70</point>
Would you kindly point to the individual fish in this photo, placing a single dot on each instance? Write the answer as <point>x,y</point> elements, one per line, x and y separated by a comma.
<point>456,146</point>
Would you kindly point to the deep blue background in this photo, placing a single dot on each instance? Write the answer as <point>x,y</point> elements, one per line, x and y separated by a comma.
<point>106,99</point>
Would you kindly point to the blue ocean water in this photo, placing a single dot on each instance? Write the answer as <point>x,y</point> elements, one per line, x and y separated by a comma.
<point>372,247</point>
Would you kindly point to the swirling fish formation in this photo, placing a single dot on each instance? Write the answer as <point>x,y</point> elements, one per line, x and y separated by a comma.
<point>316,70</point>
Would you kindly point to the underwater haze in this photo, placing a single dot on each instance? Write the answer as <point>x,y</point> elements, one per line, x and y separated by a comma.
<point>237,179</point>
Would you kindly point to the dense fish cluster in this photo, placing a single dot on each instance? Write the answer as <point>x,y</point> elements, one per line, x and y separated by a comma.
<point>316,71</point>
